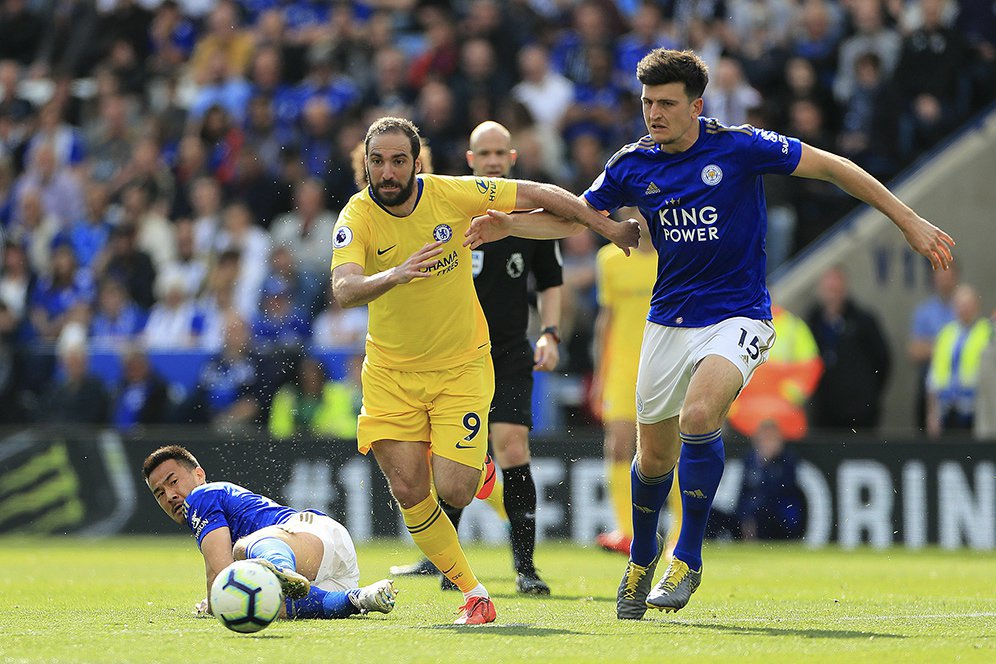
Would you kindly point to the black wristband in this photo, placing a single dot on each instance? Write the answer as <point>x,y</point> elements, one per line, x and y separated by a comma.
<point>552,331</point>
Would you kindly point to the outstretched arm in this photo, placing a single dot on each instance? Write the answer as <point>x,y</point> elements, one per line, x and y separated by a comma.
<point>352,288</point>
<point>575,210</point>
<point>923,236</point>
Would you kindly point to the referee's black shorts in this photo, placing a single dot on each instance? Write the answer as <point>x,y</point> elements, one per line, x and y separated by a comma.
<point>513,402</point>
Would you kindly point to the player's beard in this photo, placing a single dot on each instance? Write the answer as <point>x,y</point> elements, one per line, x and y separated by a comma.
<point>390,200</point>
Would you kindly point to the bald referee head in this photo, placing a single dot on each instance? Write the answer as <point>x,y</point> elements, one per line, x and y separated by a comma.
<point>491,153</point>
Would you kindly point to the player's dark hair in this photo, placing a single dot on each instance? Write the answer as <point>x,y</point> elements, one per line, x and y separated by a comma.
<point>662,66</point>
<point>177,453</point>
<point>390,125</point>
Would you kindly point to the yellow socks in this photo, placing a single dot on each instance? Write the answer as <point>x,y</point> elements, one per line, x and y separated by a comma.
<point>619,496</point>
<point>434,534</point>
<point>497,501</point>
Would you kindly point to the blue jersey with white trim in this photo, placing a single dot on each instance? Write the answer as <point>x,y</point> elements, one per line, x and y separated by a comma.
<point>223,504</point>
<point>706,211</point>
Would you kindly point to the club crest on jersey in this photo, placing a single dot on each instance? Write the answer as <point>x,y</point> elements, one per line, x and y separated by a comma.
<point>712,175</point>
<point>442,233</point>
<point>515,265</point>
<point>343,236</point>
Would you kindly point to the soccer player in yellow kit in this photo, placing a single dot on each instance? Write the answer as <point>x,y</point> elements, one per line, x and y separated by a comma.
<point>427,377</point>
<point>624,285</point>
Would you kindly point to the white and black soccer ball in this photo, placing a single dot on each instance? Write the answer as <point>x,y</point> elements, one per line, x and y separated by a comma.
<point>246,597</point>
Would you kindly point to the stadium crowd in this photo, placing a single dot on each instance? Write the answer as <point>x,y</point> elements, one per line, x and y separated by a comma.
<point>171,170</point>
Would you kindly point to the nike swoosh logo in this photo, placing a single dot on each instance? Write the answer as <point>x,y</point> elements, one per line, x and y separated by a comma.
<point>381,252</point>
<point>465,447</point>
<point>451,567</point>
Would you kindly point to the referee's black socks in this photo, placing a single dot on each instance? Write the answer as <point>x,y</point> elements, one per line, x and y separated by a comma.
<point>520,504</point>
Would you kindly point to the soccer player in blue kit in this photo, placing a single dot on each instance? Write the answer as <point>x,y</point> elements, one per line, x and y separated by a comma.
<point>310,553</point>
<point>698,184</point>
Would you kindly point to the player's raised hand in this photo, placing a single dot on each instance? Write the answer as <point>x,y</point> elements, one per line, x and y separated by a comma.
<point>488,227</point>
<point>930,241</point>
<point>625,234</point>
<point>418,263</point>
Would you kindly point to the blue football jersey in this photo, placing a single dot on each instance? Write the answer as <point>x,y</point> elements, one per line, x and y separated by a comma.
<point>706,211</point>
<point>223,504</point>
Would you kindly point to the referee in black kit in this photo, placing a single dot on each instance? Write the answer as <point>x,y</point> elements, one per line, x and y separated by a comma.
<point>501,272</point>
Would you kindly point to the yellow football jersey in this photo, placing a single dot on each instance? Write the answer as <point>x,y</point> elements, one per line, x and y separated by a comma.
<point>435,322</point>
<point>624,285</point>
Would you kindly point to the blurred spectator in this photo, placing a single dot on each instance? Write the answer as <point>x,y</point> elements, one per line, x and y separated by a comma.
<point>867,136</point>
<point>55,297</point>
<point>278,324</point>
<point>190,169</point>
<point>545,93</point>
<point>218,303</point>
<point>389,93</point>
<point>307,229</point>
<point>154,233</point>
<point>174,322</point>
<point>479,85</point>
<point>253,244</point>
<point>257,187</point>
<point>60,190</point>
<point>817,35</point>
<point>729,96</point>
<point>88,234</point>
<point>956,363</point>
<point>76,395</point>
<point>441,125</point>
<point>307,289</point>
<point>579,303</point>
<point>206,202</point>
<point>595,101</point>
<point>125,262</point>
<point>440,58</point>
<point>146,168</point>
<point>650,31</point>
<point>802,83</point>
<point>111,139</point>
<point>16,282</point>
<point>117,319</point>
<point>781,387</point>
<point>325,81</point>
<point>871,36</point>
<point>223,37</point>
<point>929,317</point>
<point>171,39</point>
<point>191,268</point>
<point>222,141</point>
<point>316,138</point>
<point>35,230</point>
<point>228,390</point>
<point>985,395</point>
<point>142,396</point>
<point>66,141</point>
<point>336,327</point>
<point>855,358</point>
<point>770,505</point>
<point>590,30</point>
<point>932,81</point>
<point>222,88</point>
<point>312,404</point>
<point>21,31</point>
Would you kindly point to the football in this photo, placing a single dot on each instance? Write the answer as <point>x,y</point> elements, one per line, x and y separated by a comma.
<point>246,597</point>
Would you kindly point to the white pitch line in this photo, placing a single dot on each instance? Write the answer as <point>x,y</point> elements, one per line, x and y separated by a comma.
<point>922,616</point>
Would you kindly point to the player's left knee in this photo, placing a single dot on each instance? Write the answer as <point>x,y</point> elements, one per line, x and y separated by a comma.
<point>239,549</point>
<point>697,418</point>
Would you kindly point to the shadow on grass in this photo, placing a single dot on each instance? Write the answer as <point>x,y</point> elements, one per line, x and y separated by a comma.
<point>554,596</point>
<point>508,629</point>
<point>786,631</point>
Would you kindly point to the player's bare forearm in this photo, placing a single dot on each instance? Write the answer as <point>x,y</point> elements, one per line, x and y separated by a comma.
<point>352,288</point>
<point>923,236</point>
<point>542,225</point>
<point>561,203</point>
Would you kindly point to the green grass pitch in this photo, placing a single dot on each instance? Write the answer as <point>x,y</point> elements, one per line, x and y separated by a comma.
<point>130,600</point>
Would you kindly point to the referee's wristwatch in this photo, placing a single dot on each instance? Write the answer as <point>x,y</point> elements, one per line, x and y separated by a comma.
<point>553,332</point>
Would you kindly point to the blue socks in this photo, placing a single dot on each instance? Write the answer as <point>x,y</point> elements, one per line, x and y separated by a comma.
<point>700,468</point>
<point>322,604</point>
<point>649,496</point>
<point>273,550</point>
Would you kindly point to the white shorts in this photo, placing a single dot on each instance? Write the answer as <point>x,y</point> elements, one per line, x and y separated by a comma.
<point>339,569</point>
<point>669,355</point>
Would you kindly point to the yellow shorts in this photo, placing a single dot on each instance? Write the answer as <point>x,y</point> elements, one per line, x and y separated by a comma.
<point>619,395</point>
<point>446,408</point>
